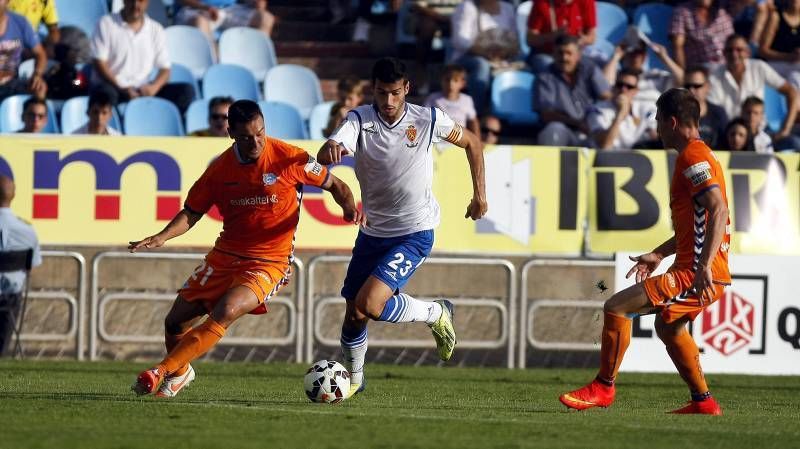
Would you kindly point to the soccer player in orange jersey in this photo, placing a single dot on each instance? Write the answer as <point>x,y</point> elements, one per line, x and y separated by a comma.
<point>257,186</point>
<point>697,278</point>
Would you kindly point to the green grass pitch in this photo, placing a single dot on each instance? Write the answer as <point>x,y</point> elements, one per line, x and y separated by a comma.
<point>233,405</point>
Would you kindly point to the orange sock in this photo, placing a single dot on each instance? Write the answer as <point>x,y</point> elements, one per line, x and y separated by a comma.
<point>684,354</point>
<point>196,343</point>
<point>171,341</point>
<point>616,338</point>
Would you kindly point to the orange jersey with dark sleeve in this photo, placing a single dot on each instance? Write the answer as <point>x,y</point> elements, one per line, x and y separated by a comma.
<point>697,170</point>
<point>259,200</point>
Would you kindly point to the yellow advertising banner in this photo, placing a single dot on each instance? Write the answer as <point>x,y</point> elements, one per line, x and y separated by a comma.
<point>93,190</point>
<point>629,201</point>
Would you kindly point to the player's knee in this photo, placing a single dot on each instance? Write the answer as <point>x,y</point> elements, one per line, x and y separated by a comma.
<point>366,305</point>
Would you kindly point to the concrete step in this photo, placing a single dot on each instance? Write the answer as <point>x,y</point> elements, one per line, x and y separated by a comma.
<point>322,49</point>
<point>301,13</point>
<point>288,30</point>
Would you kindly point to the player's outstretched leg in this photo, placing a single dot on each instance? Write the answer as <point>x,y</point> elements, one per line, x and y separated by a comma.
<point>402,308</point>
<point>684,354</point>
<point>443,330</point>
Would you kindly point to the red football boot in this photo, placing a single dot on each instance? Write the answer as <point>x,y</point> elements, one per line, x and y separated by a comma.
<point>705,407</point>
<point>596,394</point>
<point>148,381</point>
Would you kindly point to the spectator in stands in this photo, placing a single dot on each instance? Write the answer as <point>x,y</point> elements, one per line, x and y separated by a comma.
<point>368,11</point>
<point>550,19</point>
<point>127,47</point>
<point>428,19</point>
<point>491,130</point>
<point>621,123</point>
<point>632,55</point>
<point>698,32</point>
<point>65,79</point>
<point>349,93</point>
<point>16,36</point>
<point>712,117</point>
<point>38,11</point>
<point>34,115</point>
<point>753,115</point>
<point>738,136</point>
<point>564,94</point>
<point>218,15</point>
<point>742,77</point>
<point>15,235</point>
<point>781,41</point>
<point>484,39</point>
<point>217,118</point>
<point>749,18</point>
<point>100,111</point>
<point>457,105</point>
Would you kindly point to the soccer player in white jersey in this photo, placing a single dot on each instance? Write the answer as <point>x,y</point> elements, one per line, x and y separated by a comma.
<point>391,141</point>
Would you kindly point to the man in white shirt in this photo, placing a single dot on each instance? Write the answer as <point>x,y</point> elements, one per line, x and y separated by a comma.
<point>621,123</point>
<point>15,235</point>
<point>741,77</point>
<point>391,141</point>
<point>126,48</point>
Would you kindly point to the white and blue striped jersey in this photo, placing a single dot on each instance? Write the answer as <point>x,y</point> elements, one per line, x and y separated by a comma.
<point>394,165</point>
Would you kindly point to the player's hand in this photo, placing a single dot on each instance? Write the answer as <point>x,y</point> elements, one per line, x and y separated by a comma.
<point>477,208</point>
<point>703,284</point>
<point>334,152</point>
<point>154,241</point>
<point>355,216</point>
<point>644,267</point>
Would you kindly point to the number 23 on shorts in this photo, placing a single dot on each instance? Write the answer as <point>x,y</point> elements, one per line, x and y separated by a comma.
<point>402,265</point>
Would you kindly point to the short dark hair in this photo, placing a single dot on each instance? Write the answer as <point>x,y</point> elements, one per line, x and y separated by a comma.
<point>627,71</point>
<point>243,111</point>
<point>389,70</point>
<point>697,69</point>
<point>32,101</point>
<point>451,69</point>
<point>681,104</point>
<point>217,101</point>
<point>100,98</point>
<point>734,37</point>
<point>348,85</point>
<point>567,39</point>
<point>752,101</point>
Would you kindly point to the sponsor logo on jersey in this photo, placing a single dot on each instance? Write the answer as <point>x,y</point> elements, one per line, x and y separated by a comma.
<point>269,178</point>
<point>255,200</point>
<point>698,173</point>
<point>312,166</point>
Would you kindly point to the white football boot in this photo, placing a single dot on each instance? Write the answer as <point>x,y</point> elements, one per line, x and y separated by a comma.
<point>173,385</point>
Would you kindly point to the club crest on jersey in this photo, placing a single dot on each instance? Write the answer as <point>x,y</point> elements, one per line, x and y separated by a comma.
<point>411,134</point>
<point>269,179</point>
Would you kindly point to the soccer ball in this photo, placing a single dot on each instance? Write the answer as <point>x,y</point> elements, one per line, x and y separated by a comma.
<point>327,381</point>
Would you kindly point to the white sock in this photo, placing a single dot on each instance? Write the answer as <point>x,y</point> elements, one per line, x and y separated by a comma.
<point>354,351</point>
<point>402,308</point>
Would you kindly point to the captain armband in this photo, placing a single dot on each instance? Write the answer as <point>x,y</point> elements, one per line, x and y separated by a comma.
<point>455,135</point>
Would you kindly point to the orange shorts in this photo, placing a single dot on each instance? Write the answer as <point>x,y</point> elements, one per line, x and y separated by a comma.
<point>220,272</point>
<point>667,294</point>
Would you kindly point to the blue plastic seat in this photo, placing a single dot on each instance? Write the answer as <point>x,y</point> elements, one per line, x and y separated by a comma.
<point>249,48</point>
<point>775,108</point>
<point>612,22</point>
<point>11,115</point>
<point>73,115</point>
<point>83,14</point>
<point>230,80</point>
<point>26,67</point>
<point>653,19</point>
<point>282,120</point>
<point>293,84</point>
<point>197,116</point>
<point>512,97</point>
<point>179,73</point>
<point>189,47</point>
<point>318,120</point>
<point>523,11</point>
<point>152,116</point>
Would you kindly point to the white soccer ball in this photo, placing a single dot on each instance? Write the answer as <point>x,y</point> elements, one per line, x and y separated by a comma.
<point>327,381</point>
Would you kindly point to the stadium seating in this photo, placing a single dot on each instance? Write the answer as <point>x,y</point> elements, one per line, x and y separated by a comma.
<point>775,108</point>
<point>318,120</point>
<point>25,69</point>
<point>653,19</point>
<point>83,14</point>
<point>523,11</point>
<point>601,51</point>
<point>230,80</point>
<point>152,116</point>
<point>612,22</point>
<point>282,120</point>
<point>249,48</point>
<point>188,46</point>
<point>11,115</point>
<point>293,84</point>
<point>197,116</point>
<point>512,97</point>
<point>179,73</point>
<point>73,115</point>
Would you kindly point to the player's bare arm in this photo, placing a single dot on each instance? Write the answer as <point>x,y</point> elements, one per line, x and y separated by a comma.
<point>466,139</point>
<point>344,198</point>
<point>179,224</point>
<point>714,203</point>
<point>331,152</point>
<point>647,263</point>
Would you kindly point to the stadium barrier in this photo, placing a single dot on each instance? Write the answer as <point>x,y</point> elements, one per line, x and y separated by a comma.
<point>76,320</point>
<point>99,303</point>
<point>505,304</point>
